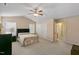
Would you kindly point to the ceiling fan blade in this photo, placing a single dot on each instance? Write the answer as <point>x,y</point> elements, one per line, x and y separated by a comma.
<point>40,11</point>
<point>41,14</point>
<point>32,10</point>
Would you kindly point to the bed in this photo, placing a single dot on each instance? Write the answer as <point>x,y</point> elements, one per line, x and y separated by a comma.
<point>26,38</point>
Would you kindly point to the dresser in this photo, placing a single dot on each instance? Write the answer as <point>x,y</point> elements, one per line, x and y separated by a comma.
<point>5,44</point>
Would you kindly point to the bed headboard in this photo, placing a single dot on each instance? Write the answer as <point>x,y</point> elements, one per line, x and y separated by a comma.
<point>22,31</point>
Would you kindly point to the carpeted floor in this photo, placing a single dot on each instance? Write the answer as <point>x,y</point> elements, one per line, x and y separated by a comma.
<point>44,47</point>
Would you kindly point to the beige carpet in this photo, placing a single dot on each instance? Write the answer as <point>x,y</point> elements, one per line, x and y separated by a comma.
<point>44,47</point>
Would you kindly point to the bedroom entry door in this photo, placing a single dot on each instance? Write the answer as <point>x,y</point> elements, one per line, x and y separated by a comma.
<point>58,30</point>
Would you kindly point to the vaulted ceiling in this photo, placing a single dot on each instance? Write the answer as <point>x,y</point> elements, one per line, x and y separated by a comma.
<point>51,10</point>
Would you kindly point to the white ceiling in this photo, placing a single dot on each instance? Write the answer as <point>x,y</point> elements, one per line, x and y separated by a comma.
<point>51,10</point>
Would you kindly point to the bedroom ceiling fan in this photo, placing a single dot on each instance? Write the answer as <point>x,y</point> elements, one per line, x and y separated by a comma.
<point>36,11</point>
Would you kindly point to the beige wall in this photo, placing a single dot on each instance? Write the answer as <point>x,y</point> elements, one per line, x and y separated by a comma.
<point>72,30</point>
<point>21,21</point>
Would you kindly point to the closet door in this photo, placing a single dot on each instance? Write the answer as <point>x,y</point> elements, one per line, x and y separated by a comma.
<point>44,32</point>
<point>32,28</point>
<point>50,29</point>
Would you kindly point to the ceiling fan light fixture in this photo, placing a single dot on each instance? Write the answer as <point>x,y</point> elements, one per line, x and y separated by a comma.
<point>35,14</point>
